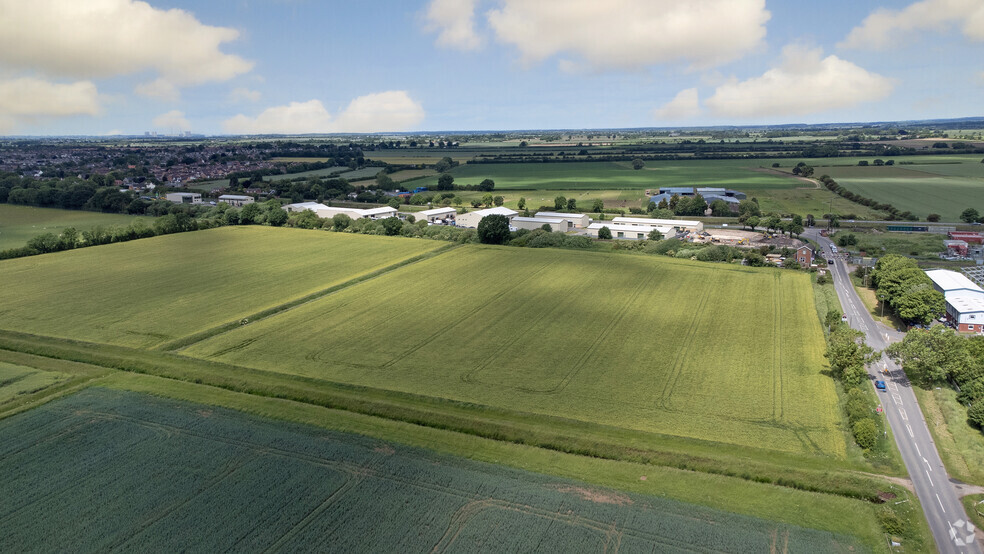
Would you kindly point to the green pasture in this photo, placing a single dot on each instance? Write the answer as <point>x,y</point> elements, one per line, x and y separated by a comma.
<point>18,224</point>
<point>147,292</point>
<point>725,354</point>
<point>960,444</point>
<point>878,243</point>
<point>137,468</point>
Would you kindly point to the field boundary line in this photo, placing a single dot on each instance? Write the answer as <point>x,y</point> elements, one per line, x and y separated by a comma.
<point>185,342</point>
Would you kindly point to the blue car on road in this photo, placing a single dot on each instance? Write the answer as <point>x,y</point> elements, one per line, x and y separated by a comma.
<point>880,385</point>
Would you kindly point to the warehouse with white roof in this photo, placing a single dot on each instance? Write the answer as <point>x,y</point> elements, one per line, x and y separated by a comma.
<point>555,224</point>
<point>964,299</point>
<point>442,215</point>
<point>576,221</point>
<point>681,224</point>
<point>471,219</point>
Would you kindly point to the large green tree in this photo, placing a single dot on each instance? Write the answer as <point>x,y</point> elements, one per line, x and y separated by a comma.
<point>493,229</point>
<point>933,355</point>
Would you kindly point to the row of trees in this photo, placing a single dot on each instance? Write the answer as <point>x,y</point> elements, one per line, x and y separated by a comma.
<point>848,355</point>
<point>893,212</point>
<point>906,289</point>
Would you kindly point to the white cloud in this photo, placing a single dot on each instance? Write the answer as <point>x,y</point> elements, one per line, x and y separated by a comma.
<point>384,111</point>
<point>159,89</point>
<point>630,34</point>
<point>104,38</point>
<point>885,27</point>
<point>454,21</point>
<point>802,84</point>
<point>243,94</point>
<point>27,99</point>
<point>685,104</point>
<point>173,120</point>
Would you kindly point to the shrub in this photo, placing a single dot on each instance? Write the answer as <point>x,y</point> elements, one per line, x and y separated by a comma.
<point>605,233</point>
<point>857,405</point>
<point>975,414</point>
<point>865,433</point>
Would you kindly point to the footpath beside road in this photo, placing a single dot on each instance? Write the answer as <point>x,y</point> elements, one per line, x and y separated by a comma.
<point>939,497</point>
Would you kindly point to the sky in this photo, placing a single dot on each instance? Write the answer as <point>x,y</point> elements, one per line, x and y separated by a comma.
<point>102,67</point>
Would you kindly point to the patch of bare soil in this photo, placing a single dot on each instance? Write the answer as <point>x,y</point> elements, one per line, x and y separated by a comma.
<point>597,495</point>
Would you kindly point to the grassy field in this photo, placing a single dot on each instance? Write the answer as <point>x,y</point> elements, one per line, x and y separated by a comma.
<point>654,345</point>
<point>18,224</point>
<point>144,293</point>
<point>229,480</point>
<point>878,243</point>
<point>961,446</point>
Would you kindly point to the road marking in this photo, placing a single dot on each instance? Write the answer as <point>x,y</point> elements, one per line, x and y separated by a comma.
<point>904,417</point>
<point>909,427</point>
<point>917,449</point>
<point>894,385</point>
<point>941,503</point>
<point>930,479</point>
<point>898,399</point>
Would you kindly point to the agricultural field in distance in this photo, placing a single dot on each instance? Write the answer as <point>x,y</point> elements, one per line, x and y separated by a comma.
<point>230,480</point>
<point>18,224</point>
<point>620,186</point>
<point>919,184</point>
<point>711,352</point>
<point>147,292</point>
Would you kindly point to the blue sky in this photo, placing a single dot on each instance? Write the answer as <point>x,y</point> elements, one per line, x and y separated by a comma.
<point>306,66</point>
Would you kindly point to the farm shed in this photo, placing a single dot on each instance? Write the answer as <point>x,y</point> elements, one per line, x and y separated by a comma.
<point>436,214</point>
<point>184,197</point>
<point>471,219</point>
<point>578,221</point>
<point>680,224</point>
<point>538,222</point>
<point>236,199</point>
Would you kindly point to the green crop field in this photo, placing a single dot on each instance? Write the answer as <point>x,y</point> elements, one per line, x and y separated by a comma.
<point>922,185</point>
<point>18,224</point>
<point>109,470</point>
<point>143,293</point>
<point>720,353</point>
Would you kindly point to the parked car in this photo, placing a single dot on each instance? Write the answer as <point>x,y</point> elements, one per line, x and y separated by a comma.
<point>844,318</point>
<point>880,385</point>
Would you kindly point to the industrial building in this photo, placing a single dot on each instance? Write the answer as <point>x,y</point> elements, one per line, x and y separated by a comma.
<point>471,219</point>
<point>184,197</point>
<point>682,225</point>
<point>437,215</point>
<point>964,299</point>
<point>236,199</point>
<point>956,248</point>
<point>576,221</point>
<point>555,224</point>
<point>966,236</point>
<point>301,206</point>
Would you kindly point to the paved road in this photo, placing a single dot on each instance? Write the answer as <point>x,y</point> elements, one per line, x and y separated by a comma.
<point>936,492</point>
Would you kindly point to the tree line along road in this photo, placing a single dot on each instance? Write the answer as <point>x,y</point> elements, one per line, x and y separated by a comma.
<point>940,500</point>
